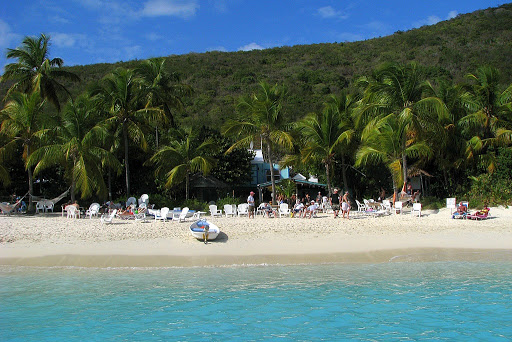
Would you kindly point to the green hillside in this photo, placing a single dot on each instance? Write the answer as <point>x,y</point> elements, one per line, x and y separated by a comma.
<point>446,51</point>
<point>450,48</point>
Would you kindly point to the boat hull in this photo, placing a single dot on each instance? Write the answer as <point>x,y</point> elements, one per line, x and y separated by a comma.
<point>198,232</point>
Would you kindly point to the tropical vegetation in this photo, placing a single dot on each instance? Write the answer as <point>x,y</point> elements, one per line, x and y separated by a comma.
<point>361,115</point>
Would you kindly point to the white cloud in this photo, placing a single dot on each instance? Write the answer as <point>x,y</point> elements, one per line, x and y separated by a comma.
<point>178,8</point>
<point>67,39</point>
<point>154,36</point>
<point>329,12</point>
<point>251,46</point>
<point>217,48</point>
<point>452,14</point>
<point>434,19</point>
<point>132,52</point>
<point>6,36</point>
<point>349,37</point>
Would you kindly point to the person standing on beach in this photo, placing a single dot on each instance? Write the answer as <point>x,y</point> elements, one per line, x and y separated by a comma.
<point>250,201</point>
<point>335,202</point>
<point>319,198</point>
<point>345,205</point>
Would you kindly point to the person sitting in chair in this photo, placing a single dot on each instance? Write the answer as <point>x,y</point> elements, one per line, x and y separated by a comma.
<point>311,209</point>
<point>462,209</point>
<point>297,209</point>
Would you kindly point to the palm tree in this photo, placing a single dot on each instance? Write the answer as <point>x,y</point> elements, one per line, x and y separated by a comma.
<point>21,120</point>
<point>35,71</point>
<point>183,157</point>
<point>399,90</point>
<point>263,119</point>
<point>488,124</point>
<point>119,95</point>
<point>162,89</point>
<point>324,133</point>
<point>78,147</point>
<point>383,144</point>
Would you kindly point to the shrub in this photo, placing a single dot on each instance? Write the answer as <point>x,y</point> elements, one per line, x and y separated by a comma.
<point>194,204</point>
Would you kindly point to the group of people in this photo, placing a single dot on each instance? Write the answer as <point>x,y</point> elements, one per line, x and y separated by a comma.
<point>335,200</point>
<point>306,207</point>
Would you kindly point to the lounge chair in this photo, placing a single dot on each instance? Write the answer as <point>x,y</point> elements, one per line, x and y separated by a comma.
<point>183,214</point>
<point>461,215</point>
<point>107,218</point>
<point>416,209</point>
<point>144,199</point>
<point>284,210</point>
<point>162,215</point>
<point>214,211</point>
<point>94,209</point>
<point>130,201</point>
<point>479,215</point>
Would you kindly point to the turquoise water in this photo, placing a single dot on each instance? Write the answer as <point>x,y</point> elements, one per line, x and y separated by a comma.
<point>419,301</point>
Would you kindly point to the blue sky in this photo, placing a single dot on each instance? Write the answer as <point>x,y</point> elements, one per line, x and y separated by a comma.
<point>106,31</point>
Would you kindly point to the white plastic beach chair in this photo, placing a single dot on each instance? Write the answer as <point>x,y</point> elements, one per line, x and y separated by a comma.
<point>183,214</point>
<point>243,209</point>
<point>214,211</point>
<point>107,218</point>
<point>71,211</point>
<point>228,210</point>
<point>416,209</point>
<point>94,209</point>
<point>361,208</point>
<point>386,205</point>
<point>284,210</point>
<point>162,215</point>
<point>398,207</point>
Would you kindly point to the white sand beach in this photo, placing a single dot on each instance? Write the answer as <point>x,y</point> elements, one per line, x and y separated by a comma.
<point>52,240</point>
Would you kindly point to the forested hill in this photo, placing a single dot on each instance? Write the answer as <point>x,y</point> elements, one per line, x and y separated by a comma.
<point>450,48</point>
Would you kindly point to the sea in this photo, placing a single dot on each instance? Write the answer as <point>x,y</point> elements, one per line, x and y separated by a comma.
<point>402,299</point>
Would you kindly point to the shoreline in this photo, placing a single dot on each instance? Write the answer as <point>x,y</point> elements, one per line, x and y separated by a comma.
<point>173,261</point>
<point>51,240</point>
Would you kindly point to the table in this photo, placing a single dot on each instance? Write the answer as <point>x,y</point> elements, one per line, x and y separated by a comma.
<point>198,214</point>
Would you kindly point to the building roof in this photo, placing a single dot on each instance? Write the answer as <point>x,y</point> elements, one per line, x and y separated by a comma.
<point>200,181</point>
<point>304,182</point>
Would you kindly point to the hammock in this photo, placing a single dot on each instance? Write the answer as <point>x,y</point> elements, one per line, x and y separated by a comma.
<point>54,200</point>
<point>8,208</point>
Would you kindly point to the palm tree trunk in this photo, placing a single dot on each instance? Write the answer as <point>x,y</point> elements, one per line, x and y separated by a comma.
<point>31,208</point>
<point>404,159</point>
<point>187,181</point>
<point>72,190</point>
<point>328,176</point>
<point>344,172</point>
<point>126,159</point>
<point>272,178</point>
<point>109,180</point>
<point>156,137</point>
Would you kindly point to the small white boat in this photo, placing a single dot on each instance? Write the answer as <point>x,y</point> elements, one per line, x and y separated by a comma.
<point>204,230</point>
